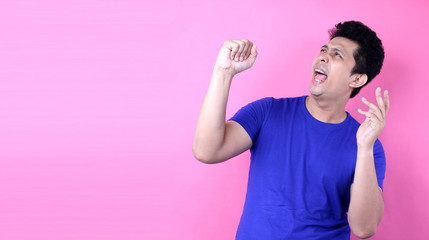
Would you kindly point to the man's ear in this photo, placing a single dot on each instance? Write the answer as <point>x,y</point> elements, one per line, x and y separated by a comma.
<point>358,80</point>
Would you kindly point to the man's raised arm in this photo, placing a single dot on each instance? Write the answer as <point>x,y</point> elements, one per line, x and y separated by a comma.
<point>366,199</point>
<point>216,141</point>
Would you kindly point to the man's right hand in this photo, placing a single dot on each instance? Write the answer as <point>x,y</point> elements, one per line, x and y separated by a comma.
<point>236,56</point>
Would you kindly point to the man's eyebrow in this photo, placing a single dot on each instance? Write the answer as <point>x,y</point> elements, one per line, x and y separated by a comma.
<point>335,49</point>
<point>339,50</point>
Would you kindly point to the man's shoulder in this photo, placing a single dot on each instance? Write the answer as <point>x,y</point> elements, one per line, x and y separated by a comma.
<point>353,122</point>
<point>273,106</point>
<point>284,100</point>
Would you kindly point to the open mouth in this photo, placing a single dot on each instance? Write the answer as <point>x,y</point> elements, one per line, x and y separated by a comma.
<point>320,75</point>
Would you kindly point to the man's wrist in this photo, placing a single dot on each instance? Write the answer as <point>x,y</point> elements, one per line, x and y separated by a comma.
<point>223,72</point>
<point>366,149</point>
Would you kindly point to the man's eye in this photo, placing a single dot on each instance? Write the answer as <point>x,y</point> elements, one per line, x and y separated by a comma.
<point>323,50</point>
<point>338,55</point>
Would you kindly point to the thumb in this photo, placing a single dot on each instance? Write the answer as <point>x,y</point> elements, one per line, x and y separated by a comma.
<point>253,51</point>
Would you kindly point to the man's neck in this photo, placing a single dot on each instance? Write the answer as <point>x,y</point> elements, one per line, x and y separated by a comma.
<point>325,110</point>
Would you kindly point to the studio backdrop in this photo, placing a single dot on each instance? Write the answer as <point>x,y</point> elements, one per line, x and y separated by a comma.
<point>99,101</point>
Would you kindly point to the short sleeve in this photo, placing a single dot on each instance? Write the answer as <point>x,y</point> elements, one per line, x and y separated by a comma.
<point>252,116</point>
<point>379,162</point>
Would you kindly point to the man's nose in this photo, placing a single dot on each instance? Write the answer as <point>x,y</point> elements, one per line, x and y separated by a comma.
<point>323,57</point>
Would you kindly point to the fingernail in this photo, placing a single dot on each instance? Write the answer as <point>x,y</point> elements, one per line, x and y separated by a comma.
<point>363,99</point>
<point>387,92</point>
<point>241,58</point>
<point>236,58</point>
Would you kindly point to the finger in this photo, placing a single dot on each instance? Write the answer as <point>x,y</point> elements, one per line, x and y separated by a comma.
<point>240,50</point>
<point>248,51</point>
<point>245,49</point>
<point>254,51</point>
<point>386,101</point>
<point>234,47</point>
<point>374,109</point>
<point>380,101</point>
<point>366,114</point>
<point>370,117</point>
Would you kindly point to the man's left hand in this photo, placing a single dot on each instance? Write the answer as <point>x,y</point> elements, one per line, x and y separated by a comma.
<point>375,121</point>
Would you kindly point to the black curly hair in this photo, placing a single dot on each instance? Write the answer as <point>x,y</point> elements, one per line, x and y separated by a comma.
<point>370,54</point>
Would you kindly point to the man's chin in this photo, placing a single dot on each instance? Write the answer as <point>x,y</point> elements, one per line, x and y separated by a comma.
<point>315,92</point>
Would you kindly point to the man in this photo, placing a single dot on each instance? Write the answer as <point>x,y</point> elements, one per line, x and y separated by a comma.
<point>315,172</point>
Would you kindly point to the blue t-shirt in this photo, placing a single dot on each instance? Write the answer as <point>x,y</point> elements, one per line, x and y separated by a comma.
<point>300,172</point>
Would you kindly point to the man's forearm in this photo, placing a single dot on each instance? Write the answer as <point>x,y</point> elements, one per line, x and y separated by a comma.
<point>366,200</point>
<point>209,133</point>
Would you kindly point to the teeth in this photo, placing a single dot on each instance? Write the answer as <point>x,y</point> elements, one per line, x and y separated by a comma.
<point>319,71</point>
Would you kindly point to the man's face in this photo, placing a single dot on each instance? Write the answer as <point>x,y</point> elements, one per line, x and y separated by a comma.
<point>332,69</point>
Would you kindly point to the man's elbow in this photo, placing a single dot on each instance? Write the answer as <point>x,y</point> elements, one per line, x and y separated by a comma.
<point>364,232</point>
<point>203,156</point>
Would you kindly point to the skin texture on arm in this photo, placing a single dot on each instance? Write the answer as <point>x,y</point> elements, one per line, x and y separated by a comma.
<point>366,200</point>
<point>216,140</point>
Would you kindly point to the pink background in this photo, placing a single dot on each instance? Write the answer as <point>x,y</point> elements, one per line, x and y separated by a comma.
<point>99,100</point>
